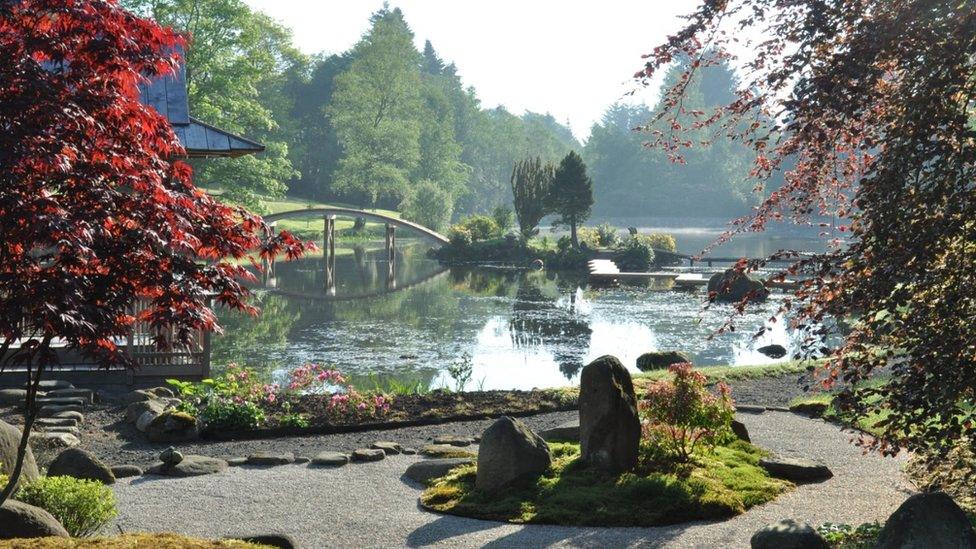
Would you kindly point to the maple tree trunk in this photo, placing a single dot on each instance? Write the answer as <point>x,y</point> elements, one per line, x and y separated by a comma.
<point>30,414</point>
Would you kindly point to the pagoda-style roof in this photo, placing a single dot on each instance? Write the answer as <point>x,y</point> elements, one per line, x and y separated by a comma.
<point>167,94</point>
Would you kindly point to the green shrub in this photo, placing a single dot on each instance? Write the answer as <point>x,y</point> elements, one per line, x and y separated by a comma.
<point>223,414</point>
<point>845,536</point>
<point>635,256</point>
<point>481,227</point>
<point>657,241</point>
<point>83,507</point>
<point>460,237</point>
<point>294,420</point>
<point>504,218</point>
<point>607,235</point>
<point>428,205</point>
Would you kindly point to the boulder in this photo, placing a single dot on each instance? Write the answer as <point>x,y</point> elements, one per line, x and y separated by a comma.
<point>454,440</point>
<point>269,458</point>
<point>740,431</point>
<point>773,351</point>
<point>788,534</point>
<point>55,440</point>
<point>145,419</point>
<point>930,521</point>
<point>659,360</point>
<point>172,426</point>
<point>510,453</point>
<point>162,392</point>
<point>9,442</point>
<point>391,448</point>
<point>78,463</point>
<point>795,469</point>
<point>610,429</point>
<point>429,469</point>
<point>190,466</point>
<point>10,397</point>
<point>19,520</point>
<point>732,287</point>
<point>279,541</point>
<point>135,410</point>
<point>171,456</point>
<point>139,395</point>
<point>368,454</point>
<point>330,459</point>
<point>564,432</point>
<point>125,471</point>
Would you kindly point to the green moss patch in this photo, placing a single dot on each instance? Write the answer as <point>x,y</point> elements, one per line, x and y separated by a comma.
<point>129,541</point>
<point>719,484</point>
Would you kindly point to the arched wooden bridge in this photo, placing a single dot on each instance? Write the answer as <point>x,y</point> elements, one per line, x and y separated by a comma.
<point>352,212</point>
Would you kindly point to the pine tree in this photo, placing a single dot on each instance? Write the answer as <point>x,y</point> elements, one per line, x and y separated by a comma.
<point>531,186</point>
<point>572,193</point>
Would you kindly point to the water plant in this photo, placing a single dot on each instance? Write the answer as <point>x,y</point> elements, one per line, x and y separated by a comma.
<point>460,371</point>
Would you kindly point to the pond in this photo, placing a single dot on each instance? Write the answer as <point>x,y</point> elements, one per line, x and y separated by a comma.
<point>520,329</point>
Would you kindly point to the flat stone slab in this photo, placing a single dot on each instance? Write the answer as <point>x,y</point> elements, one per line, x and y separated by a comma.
<point>390,448</point>
<point>429,469</point>
<point>85,394</point>
<point>49,410</point>
<point>57,440</point>
<point>795,469</point>
<point>237,462</point>
<point>271,459</point>
<point>443,451</point>
<point>62,401</point>
<point>749,409</point>
<point>63,429</point>
<point>454,440</point>
<point>52,384</point>
<point>69,414</point>
<point>302,459</point>
<point>330,459</point>
<point>9,397</point>
<point>564,432</point>
<point>409,451</point>
<point>191,466</point>
<point>125,471</point>
<point>55,422</point>
<point>368,454</point>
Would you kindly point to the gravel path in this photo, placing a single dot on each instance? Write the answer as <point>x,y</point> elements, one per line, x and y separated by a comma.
<point>370,505</point>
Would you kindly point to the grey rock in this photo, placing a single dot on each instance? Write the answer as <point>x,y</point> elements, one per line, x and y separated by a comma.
<point>444,451</point>
<point>55,422</point>
<point>173,426</point>
<point>77,416</point>
<point>162,392</point>
<point>55,440</point>
<point>125,471</point>
<point>9,397</point>
<point>795,469</point>
<point>279,541</point>
<point>812,409</point>
<point>78,463</point>
<point>171,456</point>
<point>609,427</point>
<point>330,459</point>
<point>19,520</point>
<point>564,432</point>
<point>86,395</point>
<point>390,448</point>
<point>454,440</point>
<point>50,410</point>
<point>409,451</point>
<point>302,459</point>
<point>53,384</point>
<point>659,360</point>
<point>135,410</point>
<point>732,287</point>
<point>237,462</point>
<point>787,534</point>
<point>773,351</point>
<point>146,419</point>
<point>368,454</point>
<point>61,429</point>
<point>510,453</point>
<point>271,459</point>
<point>750,409</point>
<point>428,469</point>
<point>139,395</point>
<point>191,466</point>
<point>927,521</point>
<point>9,443</point>
<point>62,401</point>
<point>740,431</point>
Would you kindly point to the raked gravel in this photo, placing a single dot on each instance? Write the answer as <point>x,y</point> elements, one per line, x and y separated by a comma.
<point>372,505</point>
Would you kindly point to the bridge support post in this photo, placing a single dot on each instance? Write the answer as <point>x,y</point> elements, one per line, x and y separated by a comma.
<point>328,252</point>
<point>268,266</point>
<point>391,255</point>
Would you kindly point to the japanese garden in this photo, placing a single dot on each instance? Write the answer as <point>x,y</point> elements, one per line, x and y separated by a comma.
<point>470,274</point>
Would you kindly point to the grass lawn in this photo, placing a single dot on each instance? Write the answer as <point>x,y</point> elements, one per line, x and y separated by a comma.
<point>868,424</point>
<point>129,541</point>
<point>733,373</point>
<point>719,484</point>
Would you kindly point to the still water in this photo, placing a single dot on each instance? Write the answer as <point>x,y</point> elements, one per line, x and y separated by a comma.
<point>521,329</point>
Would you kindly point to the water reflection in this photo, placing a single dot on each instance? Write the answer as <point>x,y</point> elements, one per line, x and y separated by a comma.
<point>522,329</point>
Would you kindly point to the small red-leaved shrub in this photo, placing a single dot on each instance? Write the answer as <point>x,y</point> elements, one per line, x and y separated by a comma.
<point>680,415</point>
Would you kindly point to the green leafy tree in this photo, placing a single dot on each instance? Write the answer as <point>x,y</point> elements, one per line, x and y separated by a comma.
<point>234,54</point>
<point>572,194</point>
<point>429,205</point>
<point>375,111</point>
<point>531,188</point>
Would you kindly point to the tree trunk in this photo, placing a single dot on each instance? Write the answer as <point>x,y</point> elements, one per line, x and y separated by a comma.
<point>30,414</point>
<point>572,232</point>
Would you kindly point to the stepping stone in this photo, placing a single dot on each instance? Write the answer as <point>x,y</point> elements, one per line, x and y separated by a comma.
<point>237,462</point>
<point>56,440</point>
<point>453,440</point>
<point>409,451</point>
<point>61,429</point>
<point>564,432</point>
<point>368,454</point>
<point>429,469</point>
<point>69,414</point>
<point>49,410</point>
<point>85,394</point>
<point>125,471</point>
<point>812,409</point>
<point>61,401</point>
<point>330,459</point>
<point>191,466</point>
<point>301,459</point>
<point>51,384</point>
<point>445,451</point>
<point>795,469</point>
<point>749,409</point>
<point>9,397</point>
<point>391,448</point>
<point>271,459</point>
<point>55,422</point>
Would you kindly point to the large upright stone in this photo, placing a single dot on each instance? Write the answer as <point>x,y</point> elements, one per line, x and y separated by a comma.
<point>19,520</point>
<point>733,286</point>
<point>510,453</point>
<point>172,426</point>
<point>609,427</point>
<point>930,521</point>
<point>9,442</point>
<point>78,463</point>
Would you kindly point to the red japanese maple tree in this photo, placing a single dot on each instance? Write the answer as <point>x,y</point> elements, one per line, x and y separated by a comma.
<point>95,210</point>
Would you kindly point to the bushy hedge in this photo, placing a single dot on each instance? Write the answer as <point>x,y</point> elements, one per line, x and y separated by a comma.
<point>83,507</point>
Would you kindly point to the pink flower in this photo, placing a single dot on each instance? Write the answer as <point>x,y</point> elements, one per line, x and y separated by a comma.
<point>271,398</point>
<point>362,406</point>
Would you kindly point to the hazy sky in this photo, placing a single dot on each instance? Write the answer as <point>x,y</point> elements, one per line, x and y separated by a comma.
<point>570,58</point>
